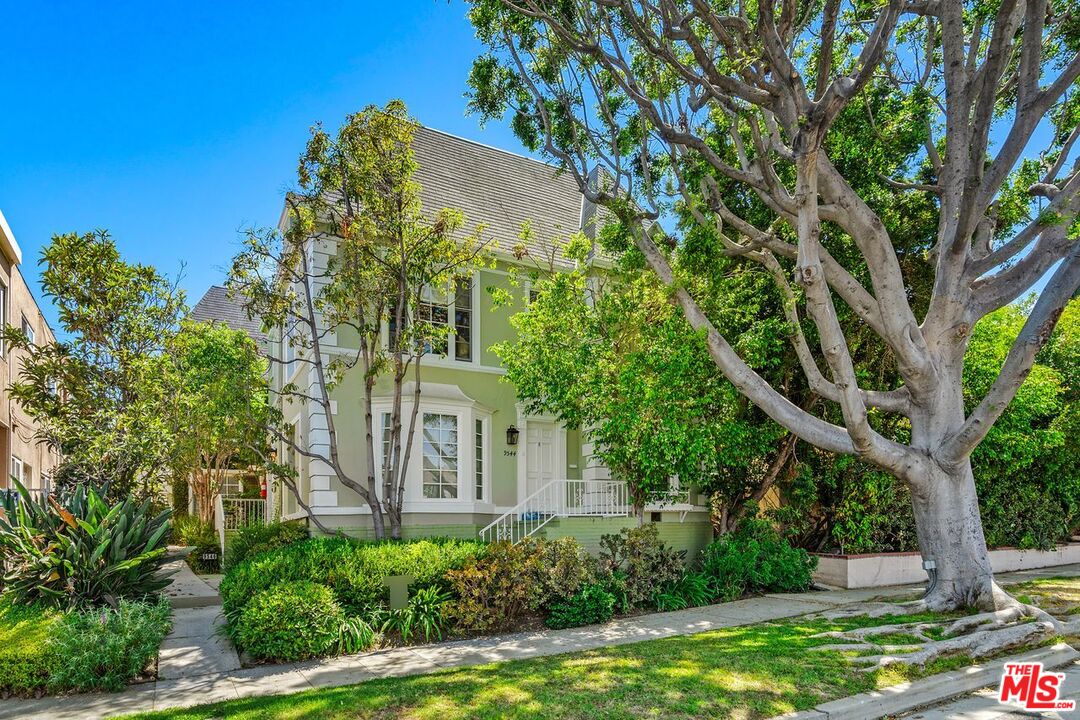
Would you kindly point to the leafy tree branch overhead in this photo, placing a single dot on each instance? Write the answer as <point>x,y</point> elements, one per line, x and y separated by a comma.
<point>734,114</point>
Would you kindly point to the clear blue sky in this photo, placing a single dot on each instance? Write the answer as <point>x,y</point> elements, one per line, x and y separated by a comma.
<point>175,124</point>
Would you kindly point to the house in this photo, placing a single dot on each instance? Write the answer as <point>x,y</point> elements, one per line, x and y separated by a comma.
<point>28,459</point>
<point>481,464</point>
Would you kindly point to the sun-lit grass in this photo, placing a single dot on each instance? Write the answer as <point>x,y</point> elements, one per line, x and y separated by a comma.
<point>745,672</point>
<point>1058,596</point>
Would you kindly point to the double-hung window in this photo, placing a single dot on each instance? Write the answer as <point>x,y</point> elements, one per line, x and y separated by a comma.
<point>28,330</point>
<point>440,456</point>
<point>439,308</point>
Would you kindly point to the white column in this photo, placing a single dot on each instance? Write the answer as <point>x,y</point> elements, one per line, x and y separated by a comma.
<point>318,442</point>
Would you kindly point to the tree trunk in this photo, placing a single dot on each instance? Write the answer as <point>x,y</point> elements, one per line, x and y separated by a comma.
<point>943,498</point>
<point>951,535</point>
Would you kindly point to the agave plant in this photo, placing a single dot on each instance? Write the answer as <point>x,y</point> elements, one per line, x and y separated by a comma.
<point>79,550</point>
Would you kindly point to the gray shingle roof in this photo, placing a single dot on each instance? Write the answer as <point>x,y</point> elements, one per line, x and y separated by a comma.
<point>217,306</point>
<point>500,189</point>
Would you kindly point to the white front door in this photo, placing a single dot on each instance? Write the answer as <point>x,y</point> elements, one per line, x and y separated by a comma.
<point>539,455</point>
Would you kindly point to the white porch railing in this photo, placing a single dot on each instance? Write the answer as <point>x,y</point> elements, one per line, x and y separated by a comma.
<point>560,498</point>
<point>238,512</point>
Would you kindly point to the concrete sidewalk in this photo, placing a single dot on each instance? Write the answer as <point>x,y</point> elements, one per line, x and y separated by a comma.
<point>416,660</point>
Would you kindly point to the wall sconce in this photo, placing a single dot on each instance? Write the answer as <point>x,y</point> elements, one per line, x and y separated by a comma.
<point>512,435</point>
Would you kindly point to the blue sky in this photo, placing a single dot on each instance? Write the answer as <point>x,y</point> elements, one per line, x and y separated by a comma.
<point>176,124</point>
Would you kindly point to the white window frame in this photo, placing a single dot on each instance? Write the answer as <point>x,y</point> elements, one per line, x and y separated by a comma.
<point>450,359</point>
<point>466,413</point>
<point>28,330</point>
<point>18,469</point>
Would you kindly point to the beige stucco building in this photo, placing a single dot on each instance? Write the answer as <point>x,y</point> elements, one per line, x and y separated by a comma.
<point>20,451</point>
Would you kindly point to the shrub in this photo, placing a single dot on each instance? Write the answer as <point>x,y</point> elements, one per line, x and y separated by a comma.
<point>755,558</point>
<point>425,616</point>
<point>190,530</point>
<point>26,655</point>
<point>205,558</point>
<point>563,568</point>
<point>589,606</point>
<point>494,591</point>
<point>80,551</point>
<point>356,636</point>
<point>354,570</point>
<point>260,537</point>
<point>104,648</point>
<point>691,590</point>
<point>644,560</point>
<point>291,621</point>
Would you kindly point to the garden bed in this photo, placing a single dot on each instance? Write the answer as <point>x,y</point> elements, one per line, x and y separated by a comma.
<point>883,569</point>
<point>321,597</point>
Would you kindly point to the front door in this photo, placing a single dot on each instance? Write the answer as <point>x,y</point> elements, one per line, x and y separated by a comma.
<point>539,456</point>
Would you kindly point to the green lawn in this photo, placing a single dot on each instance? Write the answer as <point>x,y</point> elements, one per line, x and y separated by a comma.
<point>745,672</point>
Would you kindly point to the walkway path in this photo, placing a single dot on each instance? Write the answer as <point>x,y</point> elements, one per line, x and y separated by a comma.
<point>196,646</point>
<point>416,660</point>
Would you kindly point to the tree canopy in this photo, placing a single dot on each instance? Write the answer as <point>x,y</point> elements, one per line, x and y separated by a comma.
<point>885,155</point>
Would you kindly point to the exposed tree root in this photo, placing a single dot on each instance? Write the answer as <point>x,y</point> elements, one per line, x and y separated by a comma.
<point>1010,625</point>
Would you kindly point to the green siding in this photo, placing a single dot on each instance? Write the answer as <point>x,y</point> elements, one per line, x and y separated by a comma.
<point>692,534</point>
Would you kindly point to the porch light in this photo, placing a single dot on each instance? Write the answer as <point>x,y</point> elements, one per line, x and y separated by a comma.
<point>512,435</point>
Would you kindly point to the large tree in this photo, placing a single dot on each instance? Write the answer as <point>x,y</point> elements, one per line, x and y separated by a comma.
<point>719,109</point>
<point>221,406</point>
<point>604,350</point>
<point>103,394</point>
<point>363,260</point>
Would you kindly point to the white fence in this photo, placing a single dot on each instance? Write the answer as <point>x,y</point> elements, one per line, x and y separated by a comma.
<point>231,513</point>
<point>560,498</point>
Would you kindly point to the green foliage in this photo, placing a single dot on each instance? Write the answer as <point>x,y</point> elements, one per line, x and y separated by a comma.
<point>291,621</point>
<point>27,656</point>
<point>424,617</point>
<point>356,635</point>
<point>105,648</point>
<point>623,364</point>
<point>642,562</point>
<point>590,605</point>
<point>493,592</point>
<point>563,568</point>
<point>83,650</point>
<point>105,396</point>
<point>1027,470</point>
<point>221,410</point>
<point>354,570</point>
<point>81,550</point>
<point>258,538</point>
<point>191,530</point>
<point>205,558</point>
<point>691,590</point>
<point>755,559</point>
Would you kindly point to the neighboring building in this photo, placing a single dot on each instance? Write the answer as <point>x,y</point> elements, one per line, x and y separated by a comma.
<point>31,461</point>
<point>465,472</point>
<point>216,306</point>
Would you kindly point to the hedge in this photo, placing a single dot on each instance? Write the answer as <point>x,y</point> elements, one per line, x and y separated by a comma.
<point>354,570</point>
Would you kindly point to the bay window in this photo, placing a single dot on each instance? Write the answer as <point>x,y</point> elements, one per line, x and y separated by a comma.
<point>440,456</point>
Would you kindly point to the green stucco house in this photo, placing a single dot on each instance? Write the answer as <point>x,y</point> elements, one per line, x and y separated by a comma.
<point>481,465</point>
